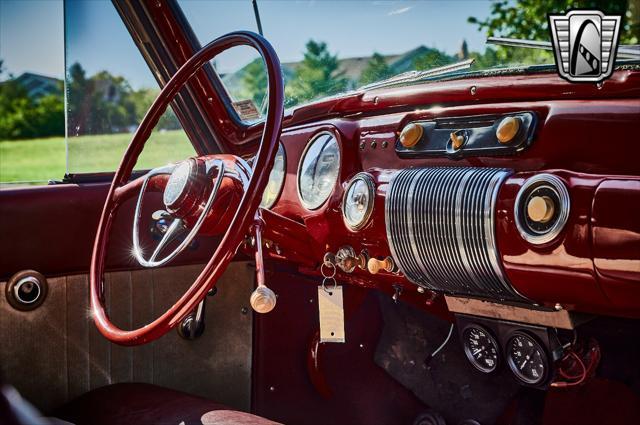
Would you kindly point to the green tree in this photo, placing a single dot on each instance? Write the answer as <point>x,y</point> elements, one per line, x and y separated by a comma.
<point>255,82</point>
<point>432,59</point>
<point>486,60</point>
<point>377,69</point>
<point>317,75</point>
<point>79,99</point>
<point>22,117</point>
<point>527,19</point>
<point>142,100</point>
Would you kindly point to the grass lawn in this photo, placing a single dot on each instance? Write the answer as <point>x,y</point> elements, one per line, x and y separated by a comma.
<point>39,160</point>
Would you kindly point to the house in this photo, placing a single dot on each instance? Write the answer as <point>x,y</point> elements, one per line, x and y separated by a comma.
<point>38,85</point>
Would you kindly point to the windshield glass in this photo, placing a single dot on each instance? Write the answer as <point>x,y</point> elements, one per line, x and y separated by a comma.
<point>329,47</point>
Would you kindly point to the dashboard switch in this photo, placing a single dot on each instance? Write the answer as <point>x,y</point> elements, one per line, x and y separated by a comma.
<point>508,129</point>
<point>375,266</point>
<point>347,259</point>
<point>411,135</point>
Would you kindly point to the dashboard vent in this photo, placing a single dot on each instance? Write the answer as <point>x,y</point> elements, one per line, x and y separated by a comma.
<point>441,230</point>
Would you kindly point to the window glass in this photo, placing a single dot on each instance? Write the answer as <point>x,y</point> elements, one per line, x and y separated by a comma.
<point>32,149</point>
<point>329,47</point>
<point>109,88</point>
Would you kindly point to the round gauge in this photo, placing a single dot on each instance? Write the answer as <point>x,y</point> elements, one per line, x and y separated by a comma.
<point>357,203</point>
<point>526,358</point>
<point>480,348</point>
<point>318,170</point>
<point>276,179</point>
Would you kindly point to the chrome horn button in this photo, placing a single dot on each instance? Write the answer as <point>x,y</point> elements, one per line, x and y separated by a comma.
<point>178,184</point>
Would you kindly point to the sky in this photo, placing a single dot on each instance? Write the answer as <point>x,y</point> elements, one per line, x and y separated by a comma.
<point>32,36</point>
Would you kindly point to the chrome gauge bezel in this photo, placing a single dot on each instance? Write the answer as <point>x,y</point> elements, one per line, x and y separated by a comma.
<point>312,140</point>
<point>556,185</point>
<point>371,187</point>
<point>284,177</point>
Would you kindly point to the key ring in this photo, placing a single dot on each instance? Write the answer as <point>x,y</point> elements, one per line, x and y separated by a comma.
<point>324,286</point>
<point>325,275</point>
<point>328,277</point>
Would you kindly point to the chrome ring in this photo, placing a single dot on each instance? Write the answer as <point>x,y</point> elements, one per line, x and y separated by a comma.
<point>36,286</point>
<point>324,286</point>
<point>371,186</point>
<point>555,184</point>
<point>310,143</point>
<point>324,274</point>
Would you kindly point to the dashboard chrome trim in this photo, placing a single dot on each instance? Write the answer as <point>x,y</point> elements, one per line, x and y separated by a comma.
<point>557,185</point>
<point>440,225</point>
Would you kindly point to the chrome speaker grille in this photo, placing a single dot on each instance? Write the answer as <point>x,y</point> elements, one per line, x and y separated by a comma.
<point>440,228</point>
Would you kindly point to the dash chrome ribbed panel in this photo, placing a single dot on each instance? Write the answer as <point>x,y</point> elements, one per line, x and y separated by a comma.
<point>440,228</point>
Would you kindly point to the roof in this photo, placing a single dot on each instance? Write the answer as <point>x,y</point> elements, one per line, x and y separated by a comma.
<point>38,85</point>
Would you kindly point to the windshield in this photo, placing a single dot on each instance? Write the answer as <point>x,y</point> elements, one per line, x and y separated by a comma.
<point>330,47</point>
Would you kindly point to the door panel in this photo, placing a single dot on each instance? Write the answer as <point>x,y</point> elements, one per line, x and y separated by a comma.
<point>55,353</point>
<point>51,229</point>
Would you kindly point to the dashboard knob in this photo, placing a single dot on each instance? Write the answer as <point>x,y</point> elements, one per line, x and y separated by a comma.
<point>411,135</point>
<point>508,129</point>
<point>457,140</point>
<point>375,266</point>
<point>263,299</point>
<point>540,209</point>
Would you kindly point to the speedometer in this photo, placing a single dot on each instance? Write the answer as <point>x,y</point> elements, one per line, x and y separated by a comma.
<point>276,179</point>
<point>318,170</point>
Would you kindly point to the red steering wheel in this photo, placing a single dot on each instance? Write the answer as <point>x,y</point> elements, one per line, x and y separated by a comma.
<point>180,197</point>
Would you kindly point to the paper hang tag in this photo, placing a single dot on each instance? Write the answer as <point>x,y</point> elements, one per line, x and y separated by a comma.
<point>247,110</point>
<point>331,310</point>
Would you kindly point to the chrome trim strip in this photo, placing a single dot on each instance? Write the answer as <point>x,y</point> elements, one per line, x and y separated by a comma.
<point>440,224</point>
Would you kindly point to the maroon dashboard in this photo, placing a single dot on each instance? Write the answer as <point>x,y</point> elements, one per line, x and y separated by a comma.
<point>456,221</point>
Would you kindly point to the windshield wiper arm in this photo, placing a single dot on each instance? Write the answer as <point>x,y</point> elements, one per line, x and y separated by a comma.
<point>411,76</point>
<point>629,51</point>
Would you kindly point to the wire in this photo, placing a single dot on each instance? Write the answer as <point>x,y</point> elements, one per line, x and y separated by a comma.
<point>580,378</point>
<point>444,343</point>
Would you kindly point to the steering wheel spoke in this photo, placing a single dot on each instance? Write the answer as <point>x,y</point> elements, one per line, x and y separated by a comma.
<point>174,231</point>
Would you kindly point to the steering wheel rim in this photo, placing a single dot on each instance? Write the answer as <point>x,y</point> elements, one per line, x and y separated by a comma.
<point>240,222</point>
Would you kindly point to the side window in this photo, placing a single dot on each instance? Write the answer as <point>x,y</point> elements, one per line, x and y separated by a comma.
<point>108,90</point>
<point>81,77</point>
<point>32,145</point>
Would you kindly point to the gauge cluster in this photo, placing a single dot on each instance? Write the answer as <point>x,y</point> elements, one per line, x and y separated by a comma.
<point>528,352</point>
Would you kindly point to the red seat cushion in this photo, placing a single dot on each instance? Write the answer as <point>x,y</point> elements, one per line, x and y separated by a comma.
<point>124,404</point>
